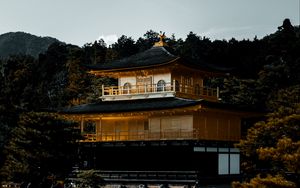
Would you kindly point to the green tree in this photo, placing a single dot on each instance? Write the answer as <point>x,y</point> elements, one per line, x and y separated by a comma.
<point>78,82</point>
<point>43,146</point>
<point>125,46</point>
<point>95,52</point>
<point>52,77</point>
<point>272,147</point>
<point>147,41</point>
<point>276,66</point>
<point>192,49</point>
<point>18,82</point>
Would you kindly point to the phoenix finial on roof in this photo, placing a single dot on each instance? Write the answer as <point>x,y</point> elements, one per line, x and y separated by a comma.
<point>161,41</point>
<point>162,36</point>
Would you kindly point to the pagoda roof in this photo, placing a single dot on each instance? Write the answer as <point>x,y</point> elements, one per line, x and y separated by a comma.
<point>131,105</point>
<point>155,56</point>
<point>150,105</point>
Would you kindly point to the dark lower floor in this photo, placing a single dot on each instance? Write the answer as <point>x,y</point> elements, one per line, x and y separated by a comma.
<point>163,160</point>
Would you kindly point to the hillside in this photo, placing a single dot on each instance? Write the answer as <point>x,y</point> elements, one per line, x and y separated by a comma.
<point>21,43</point>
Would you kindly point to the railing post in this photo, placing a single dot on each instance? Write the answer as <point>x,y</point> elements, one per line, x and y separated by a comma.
<point>174,85</point>
<point>102,90</point>
<point>218,93</point>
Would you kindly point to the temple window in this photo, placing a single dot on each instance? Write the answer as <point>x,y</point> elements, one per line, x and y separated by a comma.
<point>89,127</point>
<point>146,125</point>
<point>177,85</point>
<point>197,89</point>
<point>188,81</point>
<point>161,84</point>
<point>126,88</point>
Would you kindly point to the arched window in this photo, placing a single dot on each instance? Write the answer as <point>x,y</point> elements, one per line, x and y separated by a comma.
<point>177,85</point>
<point>126,88</point>
<point>197,89</point>
<point>161,84</point>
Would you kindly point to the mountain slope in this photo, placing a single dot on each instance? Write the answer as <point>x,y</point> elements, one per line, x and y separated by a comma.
<point>16,43</point>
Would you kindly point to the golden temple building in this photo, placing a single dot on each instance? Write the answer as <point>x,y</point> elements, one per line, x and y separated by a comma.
<point>161,122</point>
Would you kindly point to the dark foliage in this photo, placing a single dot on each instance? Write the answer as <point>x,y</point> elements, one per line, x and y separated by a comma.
<point>42,145</point>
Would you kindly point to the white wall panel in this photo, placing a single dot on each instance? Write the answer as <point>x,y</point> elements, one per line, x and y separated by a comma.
<point>234,163</point>
<point>131,80</point>
<point>223,164</point>
<point>166,77</point>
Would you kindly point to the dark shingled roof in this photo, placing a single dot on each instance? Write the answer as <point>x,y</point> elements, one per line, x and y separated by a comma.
<point>154,56</point>
<point>150,104</point>
<point>150,57</point>
<point>131,105</point>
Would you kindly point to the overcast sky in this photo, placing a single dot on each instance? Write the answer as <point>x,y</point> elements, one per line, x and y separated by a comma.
<point>82,21</point>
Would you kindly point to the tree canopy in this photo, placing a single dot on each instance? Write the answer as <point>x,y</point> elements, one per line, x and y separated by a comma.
<point>42,147</point>
<point>272,147</point>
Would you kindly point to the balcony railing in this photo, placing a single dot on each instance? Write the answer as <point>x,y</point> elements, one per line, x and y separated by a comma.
<point>156,91</point>
<point>179,134</point>
<point>136,89</point>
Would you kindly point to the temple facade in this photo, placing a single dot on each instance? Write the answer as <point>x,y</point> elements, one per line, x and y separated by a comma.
<point>160,122</point>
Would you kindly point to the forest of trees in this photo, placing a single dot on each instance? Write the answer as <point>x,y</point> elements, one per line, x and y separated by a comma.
<point>264,77</point>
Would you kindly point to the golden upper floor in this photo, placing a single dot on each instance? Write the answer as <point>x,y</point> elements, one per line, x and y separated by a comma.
<point>156,73</point>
